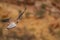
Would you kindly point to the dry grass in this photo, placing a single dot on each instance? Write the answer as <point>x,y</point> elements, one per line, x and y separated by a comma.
<point>27,14</point>
<point>33,27</point>
<point>40,13</point>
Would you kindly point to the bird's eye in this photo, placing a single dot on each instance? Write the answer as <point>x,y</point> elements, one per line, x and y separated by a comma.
<point>5,20</point>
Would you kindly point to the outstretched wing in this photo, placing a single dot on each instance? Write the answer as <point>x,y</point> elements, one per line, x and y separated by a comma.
<point>21,13</point>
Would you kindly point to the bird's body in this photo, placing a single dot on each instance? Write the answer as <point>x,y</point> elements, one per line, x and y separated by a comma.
<point>11,25</point>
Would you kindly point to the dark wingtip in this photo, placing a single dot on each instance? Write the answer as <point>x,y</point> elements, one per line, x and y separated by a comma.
<point>5,20</point>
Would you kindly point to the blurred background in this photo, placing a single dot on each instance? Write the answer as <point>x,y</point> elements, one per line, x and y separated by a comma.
<point>40,21</point>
